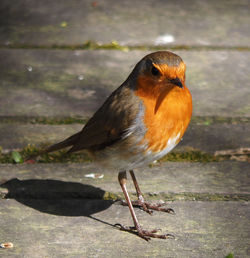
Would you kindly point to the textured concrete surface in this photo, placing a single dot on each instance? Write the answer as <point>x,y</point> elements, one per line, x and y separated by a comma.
<point>202,229</point>
<point>181,22</point>
<point>64,83</point>
<point>168,177</point>
<point>207,138</point>
<point>53,211</point>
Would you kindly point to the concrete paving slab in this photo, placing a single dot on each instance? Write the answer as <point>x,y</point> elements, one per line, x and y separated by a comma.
<point>207,138</point>
<point>228,177</point>
<point>76,83</point>
<point>205,23</point>
<point>44,228</point>
<point>15,136</point>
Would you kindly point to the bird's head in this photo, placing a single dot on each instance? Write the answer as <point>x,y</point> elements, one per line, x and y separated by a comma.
<point>160,71</point>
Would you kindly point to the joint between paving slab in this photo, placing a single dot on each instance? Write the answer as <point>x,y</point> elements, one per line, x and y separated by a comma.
<point>184,196</point>
<point>19,156</point>
<point>114,45</point>
<point>109,196</point>
<point>42,120</point>
<point>33,154</point>
<point>199,120</point>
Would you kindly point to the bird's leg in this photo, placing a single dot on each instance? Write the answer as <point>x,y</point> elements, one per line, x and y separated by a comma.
<point>141,201</point>
<point>146,206</point>
<point>137,229</point>
<point>122,178</point>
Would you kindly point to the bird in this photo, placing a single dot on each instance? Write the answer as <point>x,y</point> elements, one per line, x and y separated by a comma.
<point>140,122</point>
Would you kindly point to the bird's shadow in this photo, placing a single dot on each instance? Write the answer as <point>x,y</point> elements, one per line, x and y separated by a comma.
<point>58,197</point>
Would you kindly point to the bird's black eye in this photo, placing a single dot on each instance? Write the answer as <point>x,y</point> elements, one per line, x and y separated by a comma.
<point>155,71</point>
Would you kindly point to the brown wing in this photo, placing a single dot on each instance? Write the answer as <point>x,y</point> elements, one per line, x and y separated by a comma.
<point>109,122</point>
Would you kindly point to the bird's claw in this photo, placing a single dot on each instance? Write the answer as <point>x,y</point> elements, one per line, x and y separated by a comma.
<point>151,234</point>
<point>145,234</point>
<point>148,207</point>
<point>124,228</point>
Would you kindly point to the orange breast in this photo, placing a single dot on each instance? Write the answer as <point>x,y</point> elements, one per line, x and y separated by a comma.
<point>168,112</point>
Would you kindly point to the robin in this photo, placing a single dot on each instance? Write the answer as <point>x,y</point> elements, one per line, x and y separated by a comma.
<point>140,122</point>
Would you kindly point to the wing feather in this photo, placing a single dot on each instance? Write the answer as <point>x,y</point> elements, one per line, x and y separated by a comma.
<point>108,124</point>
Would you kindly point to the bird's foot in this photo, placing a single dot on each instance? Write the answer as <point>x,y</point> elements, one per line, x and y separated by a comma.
<point>145,234</point>
<point>148,207</point>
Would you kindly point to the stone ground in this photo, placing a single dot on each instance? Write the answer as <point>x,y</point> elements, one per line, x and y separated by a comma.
<point>59,61</point>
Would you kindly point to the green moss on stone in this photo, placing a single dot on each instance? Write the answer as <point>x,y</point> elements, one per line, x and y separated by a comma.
<point>63,157</point>
<point>111,196</point>
<point>209,120</point>
<point>191,156</point>
<point>114,45</point>
<point>186,196</point>
<point>55,157</point>
<point>43,120</point>
<point>196,120</point>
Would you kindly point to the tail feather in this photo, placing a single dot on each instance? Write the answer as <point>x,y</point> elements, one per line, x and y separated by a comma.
<point>61,145</point>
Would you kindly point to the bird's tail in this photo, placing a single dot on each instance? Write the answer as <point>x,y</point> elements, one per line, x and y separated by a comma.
<point>61,145</point>
<point>58,146</point>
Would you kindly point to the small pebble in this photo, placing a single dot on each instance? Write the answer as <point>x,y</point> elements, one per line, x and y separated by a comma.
<point>92,175</point>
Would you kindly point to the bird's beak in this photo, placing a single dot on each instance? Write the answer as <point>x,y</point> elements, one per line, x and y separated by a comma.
<point>177,82</point>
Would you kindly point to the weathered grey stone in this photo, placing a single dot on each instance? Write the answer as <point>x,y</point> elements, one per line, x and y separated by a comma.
<point>54,210</point>
<point>171,177</point>
<point>47,211</point>
<point>15,136</point>
<point>48,228</point>
<point>206,23</point>
<point>208,138</point>
<point>76,83</point>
